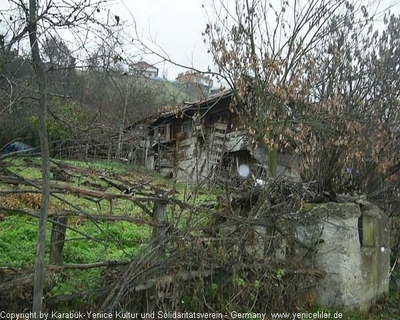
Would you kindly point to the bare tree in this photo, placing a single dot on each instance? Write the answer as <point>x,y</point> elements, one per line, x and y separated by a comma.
<point>301,78</point>
<point>40,20</point>
<point>44,144</point>
<point>122,95</point>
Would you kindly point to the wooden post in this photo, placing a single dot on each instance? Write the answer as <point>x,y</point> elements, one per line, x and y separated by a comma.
<point>87,152</point>
<point>273,162</point>
<point>109,152</point>
<point>58,232</point>
<point>159,216</point>
<point>132,156</point>
<point>159,156</point>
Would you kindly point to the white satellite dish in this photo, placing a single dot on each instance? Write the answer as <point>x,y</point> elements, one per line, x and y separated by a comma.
<point>244,171</point>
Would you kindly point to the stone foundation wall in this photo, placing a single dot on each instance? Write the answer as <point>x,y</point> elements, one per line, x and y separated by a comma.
<point>350,242</point>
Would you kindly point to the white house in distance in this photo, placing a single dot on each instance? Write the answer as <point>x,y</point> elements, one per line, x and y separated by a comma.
<point>144,68</point>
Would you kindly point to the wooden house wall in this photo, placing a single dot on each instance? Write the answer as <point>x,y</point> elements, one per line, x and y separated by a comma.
<point>182,145</point>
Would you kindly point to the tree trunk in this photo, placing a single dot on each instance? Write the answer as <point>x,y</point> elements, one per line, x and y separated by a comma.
<point>273,163</point>
<point>159,216</point>
<point>44,144</point>
<point>58,232</point>
<point>122,128</point>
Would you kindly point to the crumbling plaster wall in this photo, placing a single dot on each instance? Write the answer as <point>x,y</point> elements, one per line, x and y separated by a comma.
<point>350,243</point>
<point>192,156</point>
<point>195,164</point>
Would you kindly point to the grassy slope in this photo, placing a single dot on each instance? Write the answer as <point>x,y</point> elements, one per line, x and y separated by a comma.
<point>171,91</point>
<point>116,240</point>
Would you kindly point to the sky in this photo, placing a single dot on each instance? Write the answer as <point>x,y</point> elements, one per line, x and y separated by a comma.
<point>173,26</point>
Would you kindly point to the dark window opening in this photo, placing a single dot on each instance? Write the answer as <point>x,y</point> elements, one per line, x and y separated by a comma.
<point>360,230</point>
<point>366,231</point>
<point>186,127</point>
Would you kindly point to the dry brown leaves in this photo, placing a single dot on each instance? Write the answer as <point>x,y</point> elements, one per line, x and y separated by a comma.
<point>10,201</point>
<point>28,200</point>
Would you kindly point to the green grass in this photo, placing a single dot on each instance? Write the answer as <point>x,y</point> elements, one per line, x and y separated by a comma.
<point>108,240</point>
<point>114,166</point>
<point>28,171</point>
<point>170,91</point>
<point>120,241</point>
<point>113,241</point>
<point>18,241</point>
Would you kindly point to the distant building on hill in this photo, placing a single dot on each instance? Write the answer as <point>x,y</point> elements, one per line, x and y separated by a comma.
<point>197,84</point>
<point>144,69</point>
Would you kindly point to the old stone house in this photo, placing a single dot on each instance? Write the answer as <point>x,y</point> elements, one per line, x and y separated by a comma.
<point>191,142</point>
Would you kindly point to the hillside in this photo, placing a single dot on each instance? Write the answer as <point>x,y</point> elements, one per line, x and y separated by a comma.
<point>107,208</point>
<point>172,91</point>
<point>113,235</point>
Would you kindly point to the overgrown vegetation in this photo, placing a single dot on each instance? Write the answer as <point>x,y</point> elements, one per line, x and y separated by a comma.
<point>200,266</point>
<point>318,81</point>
